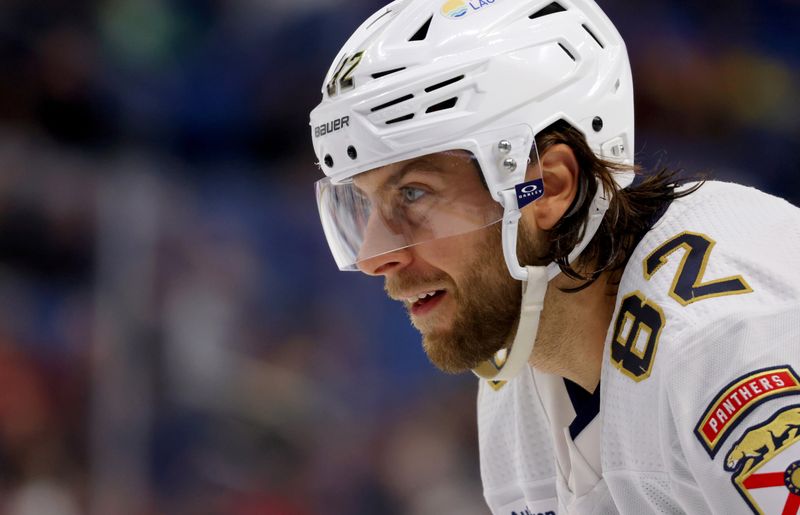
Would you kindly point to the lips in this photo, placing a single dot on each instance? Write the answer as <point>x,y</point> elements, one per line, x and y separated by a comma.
<point>421,296</point>
<point>425,302</point>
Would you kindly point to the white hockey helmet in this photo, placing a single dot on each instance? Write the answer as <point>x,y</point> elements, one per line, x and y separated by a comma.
<point>421,77</point>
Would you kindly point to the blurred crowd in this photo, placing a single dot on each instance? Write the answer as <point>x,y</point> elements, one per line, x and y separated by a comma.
<point>174,337</point>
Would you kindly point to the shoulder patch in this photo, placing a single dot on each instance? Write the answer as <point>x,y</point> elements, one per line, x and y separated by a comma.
<point>765,463</point>
<point>740,397</point>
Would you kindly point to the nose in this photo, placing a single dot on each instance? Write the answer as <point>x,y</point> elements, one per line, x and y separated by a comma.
<point>377,255</point>
<point>386,264</point>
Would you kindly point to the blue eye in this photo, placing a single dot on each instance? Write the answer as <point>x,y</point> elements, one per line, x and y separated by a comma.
<point>411,194</point>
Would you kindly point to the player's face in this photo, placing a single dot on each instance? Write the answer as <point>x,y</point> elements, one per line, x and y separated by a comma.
<point>457,290</point>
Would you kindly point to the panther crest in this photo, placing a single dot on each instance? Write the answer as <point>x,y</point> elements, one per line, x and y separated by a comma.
<point>765,462</point>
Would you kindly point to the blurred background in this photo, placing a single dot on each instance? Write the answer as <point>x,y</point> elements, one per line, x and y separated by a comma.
<point>174,335</point>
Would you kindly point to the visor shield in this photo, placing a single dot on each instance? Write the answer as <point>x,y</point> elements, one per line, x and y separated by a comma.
<point>404,204</point>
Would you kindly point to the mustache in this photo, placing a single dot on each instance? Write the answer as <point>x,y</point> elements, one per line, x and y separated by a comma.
<point>401,284</point>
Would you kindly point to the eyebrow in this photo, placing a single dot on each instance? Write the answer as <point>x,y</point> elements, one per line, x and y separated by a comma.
<point>409,167</point>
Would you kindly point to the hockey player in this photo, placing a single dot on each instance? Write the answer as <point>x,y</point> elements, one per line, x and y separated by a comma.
<point>637,340</point>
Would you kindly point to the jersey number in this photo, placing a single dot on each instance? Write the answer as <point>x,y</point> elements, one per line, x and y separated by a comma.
<point>639,322</point>
<point>636,333</point>
<point>688,285</point>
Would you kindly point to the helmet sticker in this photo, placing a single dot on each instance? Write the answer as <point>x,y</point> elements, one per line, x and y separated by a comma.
<point>529,191</point>
<point>455,9</point>
<point>342,79</point>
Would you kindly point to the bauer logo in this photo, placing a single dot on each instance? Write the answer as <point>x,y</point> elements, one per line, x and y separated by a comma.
<point>527,192</point>
<point>458,8</point>
<point>332,126</point>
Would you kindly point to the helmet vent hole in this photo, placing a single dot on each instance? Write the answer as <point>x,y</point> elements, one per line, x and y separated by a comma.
<point>352,153</point>
<point>616,86</point>
<point>328,161</point>
<point>422,32</point>
<point>401,119</point>
<point>441,106</point>
<point>443,84</point>
<point>587,29</point>
<point>378,75</point>
<point>392,102</point>
<point>567,51</point>
<point>553,8</point>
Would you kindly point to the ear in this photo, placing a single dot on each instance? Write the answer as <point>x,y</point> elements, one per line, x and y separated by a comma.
<point>560,174</point>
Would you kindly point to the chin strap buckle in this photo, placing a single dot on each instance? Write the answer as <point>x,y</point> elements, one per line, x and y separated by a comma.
<point>511,217</point>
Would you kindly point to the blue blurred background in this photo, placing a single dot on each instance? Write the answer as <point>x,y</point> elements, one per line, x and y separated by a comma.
<point>174,336</point>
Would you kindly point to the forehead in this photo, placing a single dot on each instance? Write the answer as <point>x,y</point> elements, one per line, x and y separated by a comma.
<point>449,168</point>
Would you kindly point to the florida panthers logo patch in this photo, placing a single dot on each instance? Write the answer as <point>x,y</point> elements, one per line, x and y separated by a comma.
<point>766,464</point>
<point>740,397</point>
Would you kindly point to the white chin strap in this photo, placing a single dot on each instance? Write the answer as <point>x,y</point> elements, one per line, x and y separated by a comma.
<point>507,363</point>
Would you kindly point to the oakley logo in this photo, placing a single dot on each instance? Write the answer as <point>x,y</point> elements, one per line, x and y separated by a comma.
<point>335,125</point>
<point>527,192</point>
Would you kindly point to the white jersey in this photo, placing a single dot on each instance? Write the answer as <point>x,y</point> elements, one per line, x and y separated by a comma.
<point>698,409</point>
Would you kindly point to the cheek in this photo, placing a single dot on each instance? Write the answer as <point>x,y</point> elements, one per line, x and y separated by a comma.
<point>532,245</point>
<point>530,215</point>
<point>457,254</point>
<point>436,258</point>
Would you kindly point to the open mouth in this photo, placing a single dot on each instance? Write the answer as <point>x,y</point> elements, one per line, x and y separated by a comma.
<point>425,302</point>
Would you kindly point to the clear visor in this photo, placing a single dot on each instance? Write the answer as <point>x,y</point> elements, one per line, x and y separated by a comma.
<point>404,204</point>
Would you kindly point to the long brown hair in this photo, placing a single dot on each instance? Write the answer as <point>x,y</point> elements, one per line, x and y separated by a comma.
<point>630,215</point>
